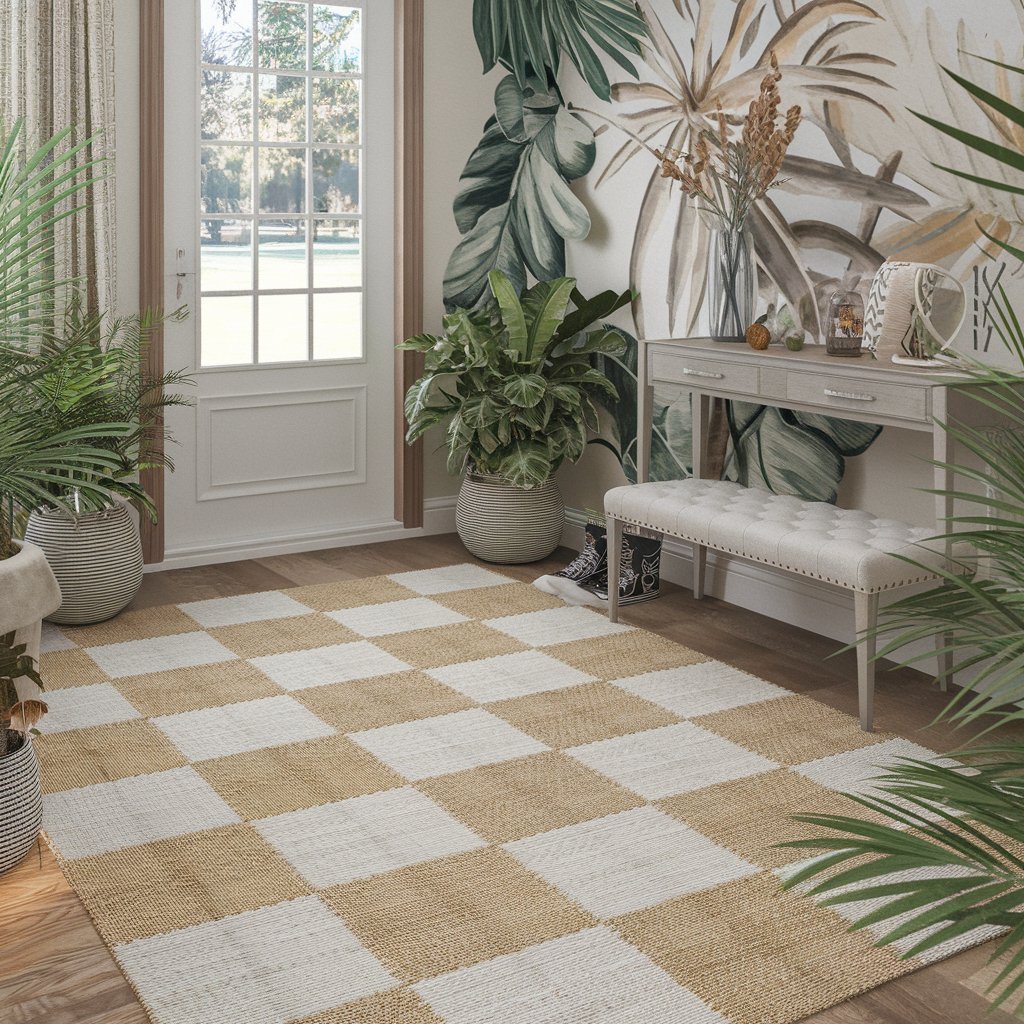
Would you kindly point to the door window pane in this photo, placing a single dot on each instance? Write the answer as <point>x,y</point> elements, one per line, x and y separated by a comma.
<point>226,110</point>
<point>226,247</point>
<point>337,39</point>
<point>282,35</point>
<point>337,254</point>
<point>338,325</point>
<point>282,108</point>
<point>335,181</point>
<point>227,330</point>
<point>226,179</point>
<point>283,254</point>
<point>336,110</point>
<point>227,32</point>
<point>284,328</point>
<point>282,180</point>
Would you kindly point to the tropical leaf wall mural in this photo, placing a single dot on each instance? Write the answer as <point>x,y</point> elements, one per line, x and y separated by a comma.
<point>863,182</point>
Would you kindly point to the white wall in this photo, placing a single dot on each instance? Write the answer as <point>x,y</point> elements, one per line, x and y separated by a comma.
<point>458,100</point>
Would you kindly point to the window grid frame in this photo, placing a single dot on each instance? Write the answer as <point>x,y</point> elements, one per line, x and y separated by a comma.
<point>309,217</point>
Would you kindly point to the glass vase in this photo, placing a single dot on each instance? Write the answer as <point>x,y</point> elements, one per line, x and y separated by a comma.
<point>732,282</point>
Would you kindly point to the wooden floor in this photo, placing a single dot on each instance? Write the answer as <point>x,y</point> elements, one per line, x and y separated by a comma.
<point>55,969</point>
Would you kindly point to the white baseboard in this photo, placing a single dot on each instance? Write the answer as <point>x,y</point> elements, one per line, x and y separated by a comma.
<point>797,600</point>
<point>438,518</point>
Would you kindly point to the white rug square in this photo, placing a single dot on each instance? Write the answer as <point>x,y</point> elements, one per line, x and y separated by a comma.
<point>509,675</point>
<point>628,861</point>
<point>366,835</point>
<point>82,707</point>
<point>235,728</point>
<point>591,976</point>
<point>113,815</point>
<point>160,654</point>
<point>556,626</point>
<point>670,760</point>
<point>701,689</point>
<point>447,743</point>
<point>340,663</point>
<point>233,611</point>
<point>854,771</point>
<point>265,966</point>
<point>52,639</point>
<point>396,617</point>
<point>448,579</point>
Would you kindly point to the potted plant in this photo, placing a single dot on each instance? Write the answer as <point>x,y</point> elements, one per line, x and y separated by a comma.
<point>21,800</point>
<point>86,377</point>
<point>76,418</point>
<point>513,379</point>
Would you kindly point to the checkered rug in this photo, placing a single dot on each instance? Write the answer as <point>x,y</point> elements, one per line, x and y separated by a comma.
<point>443,797</point>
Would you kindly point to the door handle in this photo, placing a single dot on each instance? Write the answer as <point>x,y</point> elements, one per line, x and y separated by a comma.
<point>687,372</point>
<point>852,396</point>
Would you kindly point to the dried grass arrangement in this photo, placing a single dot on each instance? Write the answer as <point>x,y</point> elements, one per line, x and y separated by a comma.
<point>728,176</point>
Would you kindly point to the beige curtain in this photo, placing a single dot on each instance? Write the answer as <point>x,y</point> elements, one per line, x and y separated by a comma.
<point>57,71</point>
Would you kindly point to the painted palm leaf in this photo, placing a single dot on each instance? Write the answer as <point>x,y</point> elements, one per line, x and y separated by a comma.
<point>515,208</point>
<point>527,36</point>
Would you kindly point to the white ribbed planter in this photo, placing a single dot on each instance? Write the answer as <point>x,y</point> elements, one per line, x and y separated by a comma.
<point>21,804</point>
<point>96,557</point>
<point>501,523</point>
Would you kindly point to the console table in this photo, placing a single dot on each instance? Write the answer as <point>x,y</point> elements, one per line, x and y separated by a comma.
<point>860,389</point>
<point>850,549</point>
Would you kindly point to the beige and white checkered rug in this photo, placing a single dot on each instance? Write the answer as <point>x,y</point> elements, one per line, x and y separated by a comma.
<point>443,797</point>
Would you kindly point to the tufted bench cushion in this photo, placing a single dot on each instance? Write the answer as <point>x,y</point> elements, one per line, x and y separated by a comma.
<point>847,547</point>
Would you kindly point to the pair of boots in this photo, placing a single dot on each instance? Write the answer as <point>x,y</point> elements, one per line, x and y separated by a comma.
<point>585,579</point>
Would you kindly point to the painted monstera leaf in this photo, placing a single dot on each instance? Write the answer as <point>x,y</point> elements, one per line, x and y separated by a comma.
<point>793,452</point>
<point>527,35</point>
<point>515,209</point>
<point>776,449</point>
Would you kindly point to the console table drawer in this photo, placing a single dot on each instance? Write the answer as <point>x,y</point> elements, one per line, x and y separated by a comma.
<point>873,398</point>
<point>705,374</point>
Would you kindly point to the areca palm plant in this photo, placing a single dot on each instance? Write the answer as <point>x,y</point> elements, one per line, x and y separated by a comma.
<point>513,379</point>
<point>951,860</point>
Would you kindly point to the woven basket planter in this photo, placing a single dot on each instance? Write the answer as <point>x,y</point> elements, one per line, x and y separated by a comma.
<point>96,557</point>
<point>508,525</point>
<point>21,804</point>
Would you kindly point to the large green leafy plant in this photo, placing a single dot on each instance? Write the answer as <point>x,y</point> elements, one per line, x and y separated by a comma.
<point>513,379</point>
<point>515,209</point>
<point>951,858</point>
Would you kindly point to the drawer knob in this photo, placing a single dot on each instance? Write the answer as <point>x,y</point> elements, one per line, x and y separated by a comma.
<point>852,396</point>
<point>687,372</point>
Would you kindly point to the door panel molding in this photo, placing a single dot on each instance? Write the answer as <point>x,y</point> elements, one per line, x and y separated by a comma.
<point>408,248</point>
<point>234,465</point>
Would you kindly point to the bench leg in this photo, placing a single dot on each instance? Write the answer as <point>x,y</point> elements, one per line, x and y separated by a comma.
<point>614,535</point>
<point>866,617</point>
<point>945,661</point>
<point>700,566</point>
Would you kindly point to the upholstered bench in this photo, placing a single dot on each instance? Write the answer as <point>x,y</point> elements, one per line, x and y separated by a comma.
<point>844,547</point>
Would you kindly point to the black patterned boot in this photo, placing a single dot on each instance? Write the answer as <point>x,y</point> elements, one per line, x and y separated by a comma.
<point>575,583</point>
<point>639,570</point>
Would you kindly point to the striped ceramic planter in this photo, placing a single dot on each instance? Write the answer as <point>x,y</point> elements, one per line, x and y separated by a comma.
<point>21,803</point>
<point>96,557</point>
<point>501,523</point>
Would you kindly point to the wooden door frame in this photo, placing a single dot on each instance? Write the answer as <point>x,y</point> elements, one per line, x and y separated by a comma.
<point>151,234</point>
<point>409,64</point>
<point>409,16</point>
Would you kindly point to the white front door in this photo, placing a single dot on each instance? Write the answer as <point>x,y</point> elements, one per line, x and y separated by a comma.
<point>279,233</point>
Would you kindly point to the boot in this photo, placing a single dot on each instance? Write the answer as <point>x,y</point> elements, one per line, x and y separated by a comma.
<point>574,584</point>
<point>639,570</point>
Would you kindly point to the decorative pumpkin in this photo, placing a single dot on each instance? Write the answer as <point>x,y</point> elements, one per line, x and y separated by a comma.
<point>758,337</point>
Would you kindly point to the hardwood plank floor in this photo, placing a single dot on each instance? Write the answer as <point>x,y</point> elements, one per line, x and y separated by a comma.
<point>55,969</point>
